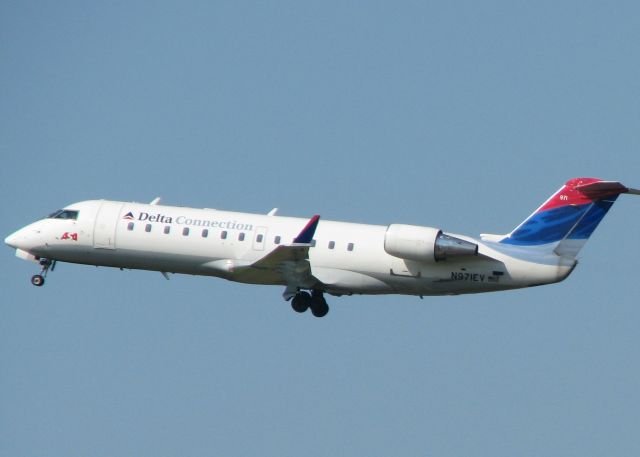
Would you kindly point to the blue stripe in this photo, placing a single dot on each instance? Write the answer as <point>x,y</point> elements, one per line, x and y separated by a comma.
<point>547,226</point>
<point>591,220</point>
<point>553,225</point>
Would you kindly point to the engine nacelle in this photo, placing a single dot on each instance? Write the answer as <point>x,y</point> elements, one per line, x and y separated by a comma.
<point>424,244</point>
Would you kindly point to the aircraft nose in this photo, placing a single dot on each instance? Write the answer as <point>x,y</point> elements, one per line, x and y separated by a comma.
<point>21,239</point>
<point>12,240</point>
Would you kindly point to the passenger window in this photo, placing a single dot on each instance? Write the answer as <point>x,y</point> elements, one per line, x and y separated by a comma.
<point>241,237</point>
<point>332,244</point>
<point>205,233</point>
<point>259,238</point>
<point>350,247</point>
<point>147,228</point>
<point>223,235</point>
<point>167,229</point>
<point>185,231</point>
<point>130,226</point>
<point>277,239</point>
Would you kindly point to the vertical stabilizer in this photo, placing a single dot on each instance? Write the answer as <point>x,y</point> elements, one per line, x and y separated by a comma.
<point>568,218</point>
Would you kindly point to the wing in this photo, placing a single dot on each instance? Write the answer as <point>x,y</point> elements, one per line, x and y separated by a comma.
<point>287,263</point>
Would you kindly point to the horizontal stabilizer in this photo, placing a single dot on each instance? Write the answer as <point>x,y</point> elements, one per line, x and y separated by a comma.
<point>491,237</point>
<point>601,189</point>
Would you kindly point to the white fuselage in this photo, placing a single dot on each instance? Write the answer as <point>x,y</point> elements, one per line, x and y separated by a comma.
<point>345,258</point>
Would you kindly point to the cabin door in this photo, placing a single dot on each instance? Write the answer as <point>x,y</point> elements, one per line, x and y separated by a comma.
<point>104,230</point>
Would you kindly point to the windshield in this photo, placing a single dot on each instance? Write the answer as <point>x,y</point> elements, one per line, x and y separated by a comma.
<point>64,214</point>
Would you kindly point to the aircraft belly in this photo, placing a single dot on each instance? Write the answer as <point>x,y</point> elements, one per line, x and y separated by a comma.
<point>348,281</point>
<point>143,260</point>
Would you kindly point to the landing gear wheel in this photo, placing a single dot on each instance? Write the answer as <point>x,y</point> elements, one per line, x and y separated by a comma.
<point>300,302</point>
<point>46,264</point>
<point>319,306</point>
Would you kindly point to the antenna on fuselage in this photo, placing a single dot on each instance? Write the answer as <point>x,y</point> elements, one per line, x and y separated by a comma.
<point>155,201</point>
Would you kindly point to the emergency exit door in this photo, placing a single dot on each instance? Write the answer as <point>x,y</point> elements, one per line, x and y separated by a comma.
<point>260,238</point>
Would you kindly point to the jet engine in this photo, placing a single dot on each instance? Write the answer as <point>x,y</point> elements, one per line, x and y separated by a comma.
<point>425,244</point>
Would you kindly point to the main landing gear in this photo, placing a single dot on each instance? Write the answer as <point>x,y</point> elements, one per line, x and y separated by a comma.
<point>38,280</point>
<point>314,301</point>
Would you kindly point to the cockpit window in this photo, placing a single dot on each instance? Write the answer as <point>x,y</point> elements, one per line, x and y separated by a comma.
<point>64,214</point>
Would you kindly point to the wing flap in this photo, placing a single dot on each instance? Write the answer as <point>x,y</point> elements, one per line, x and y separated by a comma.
<point>295,252</point>
<point>287,263</point>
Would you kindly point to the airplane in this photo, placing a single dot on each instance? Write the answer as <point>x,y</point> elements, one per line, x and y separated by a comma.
<point>310,257</point>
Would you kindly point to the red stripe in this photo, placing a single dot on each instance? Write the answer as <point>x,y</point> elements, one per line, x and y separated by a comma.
<point>570,195</point>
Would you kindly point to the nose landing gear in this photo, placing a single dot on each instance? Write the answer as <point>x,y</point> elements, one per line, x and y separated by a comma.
<point>315,301</point>
<point>38,280</point>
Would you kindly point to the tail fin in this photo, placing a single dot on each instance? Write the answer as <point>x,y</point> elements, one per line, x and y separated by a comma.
<point>568,218</point>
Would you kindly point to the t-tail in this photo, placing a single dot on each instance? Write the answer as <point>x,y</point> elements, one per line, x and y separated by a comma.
<point>564,223</point>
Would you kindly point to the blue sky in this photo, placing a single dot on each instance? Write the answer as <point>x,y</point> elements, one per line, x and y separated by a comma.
<point>460,115</point>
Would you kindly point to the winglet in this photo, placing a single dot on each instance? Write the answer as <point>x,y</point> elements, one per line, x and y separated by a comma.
<point>306,235</point>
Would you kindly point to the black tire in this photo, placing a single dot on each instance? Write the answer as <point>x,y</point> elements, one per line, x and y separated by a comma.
<point>37,280</point>
<point>319,307</point>
<point>300,302</point>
